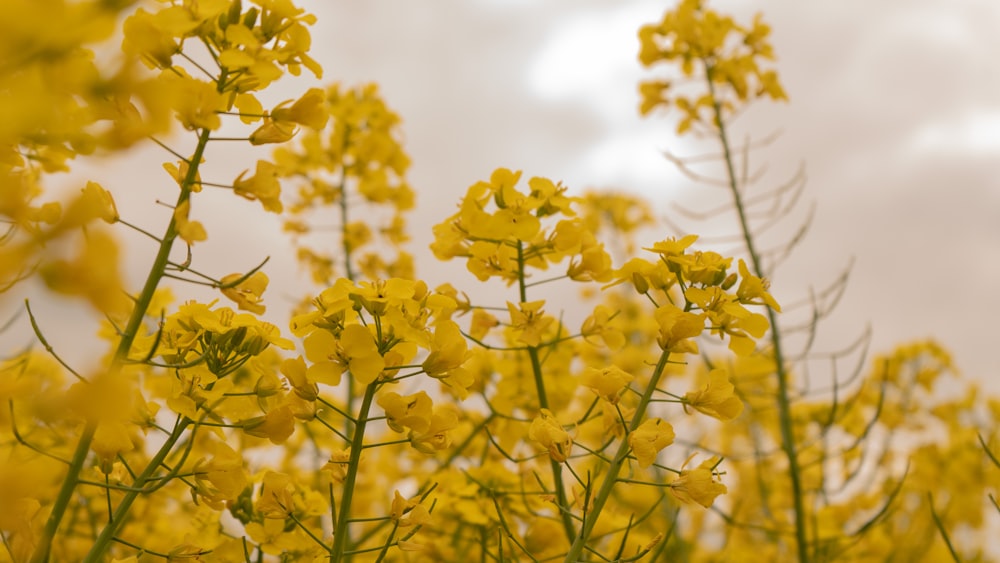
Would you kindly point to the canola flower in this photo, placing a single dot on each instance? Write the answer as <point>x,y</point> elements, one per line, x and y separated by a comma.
<point>389,420</point>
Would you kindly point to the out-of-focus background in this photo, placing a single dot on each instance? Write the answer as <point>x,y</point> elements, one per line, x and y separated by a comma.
<point>894,111</point>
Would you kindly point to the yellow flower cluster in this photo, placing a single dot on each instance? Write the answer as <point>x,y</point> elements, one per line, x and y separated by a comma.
<point>499,230</point>
<point>356,164</point>
<point>702,40</point>
<point>395,422</point>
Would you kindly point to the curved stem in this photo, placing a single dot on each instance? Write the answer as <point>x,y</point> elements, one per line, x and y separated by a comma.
<point>785,423</point>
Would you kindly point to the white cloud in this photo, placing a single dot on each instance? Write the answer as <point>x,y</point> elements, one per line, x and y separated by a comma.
<point>971,133</point>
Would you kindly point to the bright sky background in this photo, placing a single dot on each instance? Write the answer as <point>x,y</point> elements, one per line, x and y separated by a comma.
<point>895,112</point>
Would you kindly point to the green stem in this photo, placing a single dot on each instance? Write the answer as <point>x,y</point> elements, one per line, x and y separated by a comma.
<point>142,302</point>
<point>611,477</point>
<point>65,493</point>
<point>341,539</point>
<point>784,401</point>
<point>345,244</point>
<point>543,403</point>
<point>119,518</point>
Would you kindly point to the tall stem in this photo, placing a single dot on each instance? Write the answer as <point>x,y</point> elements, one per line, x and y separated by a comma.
<point>784,401</point>
<point>120,515</point>
<point>132,327</point>
<point>611,477</point>
<point>543,403</point>
<point>348,272</point>
<point>341,535</point>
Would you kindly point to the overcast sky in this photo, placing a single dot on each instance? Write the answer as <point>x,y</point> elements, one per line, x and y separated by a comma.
<point>895,112</point>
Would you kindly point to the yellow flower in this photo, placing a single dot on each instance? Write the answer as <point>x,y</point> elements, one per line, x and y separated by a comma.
<point>222,478</point>
<point>652,94</point>
<point>436,437</point>
<point>277,425</point>
<point>416,513</point>
<point>309,110</point>
<point>482,322</point>
<point>94,202</point>
<point>190,231</point>
<point>716,399</point>
<point>447,352</point>
<point>550,434</point>
<point>338,464</point>
<point>698,485</point>
<point>753,290</point>
<point>607,382</point>
<point>272,132</point>
<point>487,259</point>
<point>197,103</point>
<point>529,321</point>
<point>262,186</point>
<point>599,324</point>
<point>107,401</point>
<point>412,411</point>
<point>671,247</point>
<point>247,294</point>
<point>355,351</point>
<point>275,500</point>
<point>94,273</point>
<point>677,327</point>
<point>649,438</point>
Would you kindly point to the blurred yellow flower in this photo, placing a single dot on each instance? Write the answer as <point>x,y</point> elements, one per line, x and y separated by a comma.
<point>717,398</point>
<point>698,486</point>
<point>649,438</point>
<point>247,294</point>
<point>550,434</point>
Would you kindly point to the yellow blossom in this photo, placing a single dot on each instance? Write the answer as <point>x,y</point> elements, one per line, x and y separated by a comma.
<point>277,425</point>
<point>716,399</point>
<point>295,372</point>
<point>529,321</point>
<point>599,324</point>
<point>677,328</point>
<point>272,131</point>
<point>275,499</point>
<point>337,465</point>
<point>248,293</point>
<point>482,322</point>
<point>415,513</point>
<point>447,352</point>
<point>412,411</point>
<point>308,110</point>
<point>698,486</point>
<point>550,434</point>
<point>222,478</point>
<point>649,438</point>
<point>753,290</point>
<point>262,186</point>
<point>354,350</point>
<point>94,273</point>
<point>190,231</point>
<point>607,382</point>
<point>437,436</point>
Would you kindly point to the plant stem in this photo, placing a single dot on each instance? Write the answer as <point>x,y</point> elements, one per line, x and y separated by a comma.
<point>119,518</point>
<point>611,477</point>
<point>543,403</point>
<point>341,535</point>
<point>142,302</point>
<point>784,402</point>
